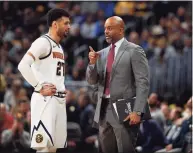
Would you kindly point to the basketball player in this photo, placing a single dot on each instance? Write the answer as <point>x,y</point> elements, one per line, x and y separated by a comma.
<point>43,67</point>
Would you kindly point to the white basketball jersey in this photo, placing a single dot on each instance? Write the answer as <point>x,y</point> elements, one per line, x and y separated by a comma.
<point>51,68</point>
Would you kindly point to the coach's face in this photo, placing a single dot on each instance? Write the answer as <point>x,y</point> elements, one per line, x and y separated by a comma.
<point>113,30</point>
<point>63,26</point>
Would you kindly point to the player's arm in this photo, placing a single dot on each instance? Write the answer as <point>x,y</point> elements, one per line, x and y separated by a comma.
<point>39,48</point>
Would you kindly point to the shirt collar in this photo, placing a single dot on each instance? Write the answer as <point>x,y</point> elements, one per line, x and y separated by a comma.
<point>118,43</point>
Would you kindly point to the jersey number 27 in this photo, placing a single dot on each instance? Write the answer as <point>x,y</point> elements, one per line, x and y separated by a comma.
<point>60,69</point>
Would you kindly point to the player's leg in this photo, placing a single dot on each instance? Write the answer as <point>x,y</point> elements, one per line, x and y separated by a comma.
<point>47,150</point>
<point>61,124</point>
<point>43,123</point>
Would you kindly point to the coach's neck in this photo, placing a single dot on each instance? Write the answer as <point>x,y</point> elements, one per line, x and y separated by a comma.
<point>54,35</point>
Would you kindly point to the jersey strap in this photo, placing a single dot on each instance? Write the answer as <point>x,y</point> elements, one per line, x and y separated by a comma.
<point>41,58</point>
<point>52,40</point>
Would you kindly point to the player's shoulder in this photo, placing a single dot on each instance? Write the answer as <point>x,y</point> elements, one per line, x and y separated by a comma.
<point>41,41</point>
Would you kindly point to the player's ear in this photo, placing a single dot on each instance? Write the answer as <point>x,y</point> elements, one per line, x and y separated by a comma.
<point>54,24</point>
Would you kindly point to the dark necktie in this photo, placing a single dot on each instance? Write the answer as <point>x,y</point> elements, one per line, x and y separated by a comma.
<point>110,60</point>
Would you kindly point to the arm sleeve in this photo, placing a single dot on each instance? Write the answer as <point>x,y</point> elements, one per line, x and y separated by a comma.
<point>141,74</point>
<point>40,48</point>
<point>92,74</point>
<point>94,93</point>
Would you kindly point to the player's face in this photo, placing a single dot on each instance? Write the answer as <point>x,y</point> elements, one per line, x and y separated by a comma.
<point>63,27</point>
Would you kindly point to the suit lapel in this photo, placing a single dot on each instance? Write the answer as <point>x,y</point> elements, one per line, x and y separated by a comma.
<point>120,52</point>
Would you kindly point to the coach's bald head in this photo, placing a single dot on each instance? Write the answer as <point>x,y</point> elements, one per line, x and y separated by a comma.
<point>114,29</point>
<point>116,20</point>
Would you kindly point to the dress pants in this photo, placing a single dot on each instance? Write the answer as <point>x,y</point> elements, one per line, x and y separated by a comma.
<point>113,136</point>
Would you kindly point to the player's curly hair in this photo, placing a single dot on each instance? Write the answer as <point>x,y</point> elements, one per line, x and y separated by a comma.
<point>55,14</point>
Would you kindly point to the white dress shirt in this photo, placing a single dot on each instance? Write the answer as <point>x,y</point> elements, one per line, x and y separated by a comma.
<point>118,44</point>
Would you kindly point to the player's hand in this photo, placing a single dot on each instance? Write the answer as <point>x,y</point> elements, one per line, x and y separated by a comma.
<point>133,118</point>
<point>93,56</point>
<point>48,90</point>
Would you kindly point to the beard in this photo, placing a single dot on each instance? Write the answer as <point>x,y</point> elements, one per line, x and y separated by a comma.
<point>66,33</point>
<point>62,34</point>
<point>109,40</point>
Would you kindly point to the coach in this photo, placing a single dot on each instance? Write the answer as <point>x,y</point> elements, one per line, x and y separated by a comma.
<point>120,71</point>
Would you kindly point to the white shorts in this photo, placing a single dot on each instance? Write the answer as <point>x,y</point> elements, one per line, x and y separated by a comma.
<point>48,122</point>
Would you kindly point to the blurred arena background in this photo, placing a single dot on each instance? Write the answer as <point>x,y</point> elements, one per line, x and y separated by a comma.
<point>163,29</point>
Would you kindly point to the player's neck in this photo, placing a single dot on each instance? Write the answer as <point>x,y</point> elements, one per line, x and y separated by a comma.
<point>54,36</point>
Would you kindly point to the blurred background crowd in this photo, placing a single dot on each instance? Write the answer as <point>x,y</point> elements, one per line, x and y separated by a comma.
<point>163,29</point>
